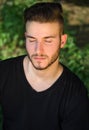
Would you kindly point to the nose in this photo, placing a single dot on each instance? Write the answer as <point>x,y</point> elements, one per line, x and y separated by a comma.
<point>39,48</point>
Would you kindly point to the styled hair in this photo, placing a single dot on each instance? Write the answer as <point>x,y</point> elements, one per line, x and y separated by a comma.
<point>45,12</point>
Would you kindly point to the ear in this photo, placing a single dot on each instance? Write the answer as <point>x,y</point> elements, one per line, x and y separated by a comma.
<point>63,40</point>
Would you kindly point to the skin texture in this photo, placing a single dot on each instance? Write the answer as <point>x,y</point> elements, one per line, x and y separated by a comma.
<point>43,44</point>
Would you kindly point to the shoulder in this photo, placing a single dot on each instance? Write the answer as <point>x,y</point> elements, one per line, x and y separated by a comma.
<point>13,59</point>
<point>7,64</point>
<point>72,82</point>
<point>10,61</point>
<point>75,103</point>
<point>75,92</point>
<point>8,69</point>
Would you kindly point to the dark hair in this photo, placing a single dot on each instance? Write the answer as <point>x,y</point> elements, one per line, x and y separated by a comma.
<point>45,12</point>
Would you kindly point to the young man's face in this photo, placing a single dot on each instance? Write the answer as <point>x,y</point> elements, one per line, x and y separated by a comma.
<point>43,43</point>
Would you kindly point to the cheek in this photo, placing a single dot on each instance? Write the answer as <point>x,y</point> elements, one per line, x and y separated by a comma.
<point>29,48</point>
<point>53,50</point>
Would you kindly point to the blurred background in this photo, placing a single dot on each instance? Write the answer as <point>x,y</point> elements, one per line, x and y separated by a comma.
<point>75,55</point>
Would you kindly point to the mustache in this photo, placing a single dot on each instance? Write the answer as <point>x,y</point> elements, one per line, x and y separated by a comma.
<point>40,55</point>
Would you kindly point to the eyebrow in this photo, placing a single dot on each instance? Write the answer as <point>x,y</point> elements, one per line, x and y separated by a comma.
<point>30,36</point>
<point>49,37</point>
<point>46,37</point>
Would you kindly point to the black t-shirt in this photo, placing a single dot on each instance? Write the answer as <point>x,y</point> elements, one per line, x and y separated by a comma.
<point>63,106</point>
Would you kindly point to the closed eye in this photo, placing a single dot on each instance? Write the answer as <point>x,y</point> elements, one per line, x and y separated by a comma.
<point>32,40</point>
<point>48,41</point>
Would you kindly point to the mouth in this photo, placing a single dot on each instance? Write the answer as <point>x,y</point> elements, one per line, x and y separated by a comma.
<point>39,58</point>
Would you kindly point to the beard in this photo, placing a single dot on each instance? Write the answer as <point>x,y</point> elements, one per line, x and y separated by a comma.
<point>39,66</point>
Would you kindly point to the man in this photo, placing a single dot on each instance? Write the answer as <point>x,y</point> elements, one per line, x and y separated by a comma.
<point>37,91</point>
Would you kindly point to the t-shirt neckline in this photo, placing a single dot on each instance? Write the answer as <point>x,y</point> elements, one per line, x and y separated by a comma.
<point>56,84</point>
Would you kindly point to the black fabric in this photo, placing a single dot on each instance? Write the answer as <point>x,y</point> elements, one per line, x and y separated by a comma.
<point>63,106</point>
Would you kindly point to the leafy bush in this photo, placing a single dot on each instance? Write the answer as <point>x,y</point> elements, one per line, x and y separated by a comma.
<point>76,59</point>
<point>11,30</point>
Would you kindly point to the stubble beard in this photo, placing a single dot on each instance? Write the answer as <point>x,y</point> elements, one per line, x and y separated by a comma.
<point>53,59</point>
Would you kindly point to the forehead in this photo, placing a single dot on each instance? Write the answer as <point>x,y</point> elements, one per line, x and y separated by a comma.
<point>37,28</point>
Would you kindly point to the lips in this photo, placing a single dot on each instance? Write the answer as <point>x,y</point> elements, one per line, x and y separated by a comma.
<point>39,58</point>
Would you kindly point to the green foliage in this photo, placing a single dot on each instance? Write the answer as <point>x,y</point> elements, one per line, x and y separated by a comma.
<point>11,30</point>
<point>76,59</point>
